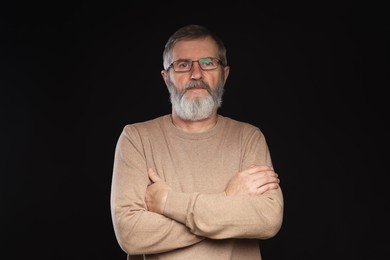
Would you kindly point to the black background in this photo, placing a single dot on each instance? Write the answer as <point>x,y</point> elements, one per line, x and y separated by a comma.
<point>314,78</point>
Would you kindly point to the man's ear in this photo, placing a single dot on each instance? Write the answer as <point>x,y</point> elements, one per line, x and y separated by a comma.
<point>227,70</point>
<point>164,74</point>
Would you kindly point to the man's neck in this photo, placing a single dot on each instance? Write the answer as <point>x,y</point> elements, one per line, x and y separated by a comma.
<point>197,126</point>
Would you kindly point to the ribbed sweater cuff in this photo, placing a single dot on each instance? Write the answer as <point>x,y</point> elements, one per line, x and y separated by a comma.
<point>176,206</point>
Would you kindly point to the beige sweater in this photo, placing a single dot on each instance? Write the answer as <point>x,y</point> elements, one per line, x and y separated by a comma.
<point>200,221</point>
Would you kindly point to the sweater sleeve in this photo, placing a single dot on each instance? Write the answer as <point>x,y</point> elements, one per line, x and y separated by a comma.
<point>219,216</point>
<point>139,231</point>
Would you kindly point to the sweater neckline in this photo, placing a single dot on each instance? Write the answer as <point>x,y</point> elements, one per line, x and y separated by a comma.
<point>193,136</point>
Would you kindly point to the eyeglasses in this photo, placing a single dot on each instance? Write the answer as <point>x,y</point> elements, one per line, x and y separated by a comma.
<point>207,63</point>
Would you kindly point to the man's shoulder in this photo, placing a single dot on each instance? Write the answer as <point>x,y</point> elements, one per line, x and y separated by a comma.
<point>148,122</point>
<point>146,126</point>
<point>237,123</point>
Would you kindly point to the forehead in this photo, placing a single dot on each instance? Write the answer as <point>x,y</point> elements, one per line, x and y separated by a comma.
<point>195,49</point>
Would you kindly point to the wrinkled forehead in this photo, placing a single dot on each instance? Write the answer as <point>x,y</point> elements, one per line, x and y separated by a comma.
<point>195,49</point>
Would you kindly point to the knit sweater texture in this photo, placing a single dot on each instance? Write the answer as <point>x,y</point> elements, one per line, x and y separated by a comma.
<point>200,221</point>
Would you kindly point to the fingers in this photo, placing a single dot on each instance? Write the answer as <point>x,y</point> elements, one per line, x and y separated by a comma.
<point>256,168</point>
<point>264,178</point>
<point>265,183</point>
<point>153,176</point>
<point>260,173</point>
<point>267,187</point>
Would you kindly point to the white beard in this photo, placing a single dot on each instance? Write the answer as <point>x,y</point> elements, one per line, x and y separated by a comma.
<point>198,108</point>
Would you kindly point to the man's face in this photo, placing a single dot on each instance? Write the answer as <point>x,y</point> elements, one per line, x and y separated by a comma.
<point>197,93</point>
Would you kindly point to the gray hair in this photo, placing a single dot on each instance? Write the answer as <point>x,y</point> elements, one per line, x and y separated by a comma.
<point>190,32</point>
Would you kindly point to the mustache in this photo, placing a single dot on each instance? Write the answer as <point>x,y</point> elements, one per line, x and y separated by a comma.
<point>197,83</point>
